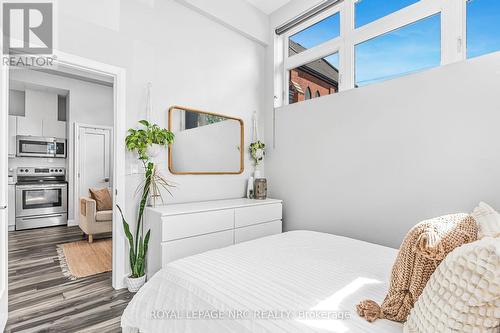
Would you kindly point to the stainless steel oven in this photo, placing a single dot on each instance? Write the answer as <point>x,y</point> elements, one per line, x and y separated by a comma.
<point>38,146</point>
<point>41,197</point>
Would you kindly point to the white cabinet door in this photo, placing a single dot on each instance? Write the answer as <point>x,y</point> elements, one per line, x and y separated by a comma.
<point>12,135</point>
<point>54,128</point>
<point>29,126</point>
<point>246,216</point>
<point>12,207</point>
<point>193,245</point>
<point>189,225</point>
<point>257,231</point>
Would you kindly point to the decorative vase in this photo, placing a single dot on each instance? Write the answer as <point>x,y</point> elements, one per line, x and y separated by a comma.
<point>134,284</point>
<point>260,189</point>
<point>259,154</point>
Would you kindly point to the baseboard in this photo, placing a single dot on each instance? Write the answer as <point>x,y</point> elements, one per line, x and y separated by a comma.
<point>72,223</point>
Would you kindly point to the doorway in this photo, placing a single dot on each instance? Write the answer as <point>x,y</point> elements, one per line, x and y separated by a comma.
<point>73,64</point>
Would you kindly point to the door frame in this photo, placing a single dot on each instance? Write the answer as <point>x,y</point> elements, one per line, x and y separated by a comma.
<point>76,159</point>
<point>118,74</point>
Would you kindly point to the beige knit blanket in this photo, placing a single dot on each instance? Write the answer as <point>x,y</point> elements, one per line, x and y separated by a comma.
<point>422,250</point>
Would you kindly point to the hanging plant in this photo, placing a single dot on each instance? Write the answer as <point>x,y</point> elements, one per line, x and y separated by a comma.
<point>257,150</point>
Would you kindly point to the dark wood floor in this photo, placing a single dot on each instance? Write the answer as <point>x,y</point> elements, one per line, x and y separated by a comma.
<point>42,299</point>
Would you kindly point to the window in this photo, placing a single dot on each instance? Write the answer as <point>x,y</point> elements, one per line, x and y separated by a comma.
<point>314,35</point>
<point>483,26</point>
<point>308,93</point>
<point>409,49</point>
<point>390,39</point>
<point>367,11</point>
<point>321,75</point>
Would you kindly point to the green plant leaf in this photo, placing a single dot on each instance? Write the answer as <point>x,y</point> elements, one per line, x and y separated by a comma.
<point>128,234</point>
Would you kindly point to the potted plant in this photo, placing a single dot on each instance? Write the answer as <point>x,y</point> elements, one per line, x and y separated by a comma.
<point>141,141</point>
<point>257,150</point>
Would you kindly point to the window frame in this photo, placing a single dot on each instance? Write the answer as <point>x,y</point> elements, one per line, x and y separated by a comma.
<point>453,39</point>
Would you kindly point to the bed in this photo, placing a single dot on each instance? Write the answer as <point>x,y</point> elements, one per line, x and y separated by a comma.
<point>298,281</point>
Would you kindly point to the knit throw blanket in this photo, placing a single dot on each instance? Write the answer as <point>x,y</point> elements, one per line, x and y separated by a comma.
<point>422,250</point>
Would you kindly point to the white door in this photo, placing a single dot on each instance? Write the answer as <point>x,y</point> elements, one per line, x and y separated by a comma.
<point>4,136</point>
<point>94,159</point>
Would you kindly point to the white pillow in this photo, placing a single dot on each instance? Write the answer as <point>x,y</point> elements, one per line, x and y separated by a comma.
<point>463,294</point>
<point>488,221</point>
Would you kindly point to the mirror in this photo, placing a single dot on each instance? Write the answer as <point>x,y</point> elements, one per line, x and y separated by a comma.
<point>205,142</point>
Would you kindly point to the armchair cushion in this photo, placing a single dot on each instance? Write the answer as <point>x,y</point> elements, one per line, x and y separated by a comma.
<point>102,198</point>
<point>104,216</point>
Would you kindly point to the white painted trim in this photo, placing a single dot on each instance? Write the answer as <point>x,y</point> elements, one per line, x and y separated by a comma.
<point>119,91</point>
<point>72,223</point>
<point>453,37</point>
<point>4,253</point>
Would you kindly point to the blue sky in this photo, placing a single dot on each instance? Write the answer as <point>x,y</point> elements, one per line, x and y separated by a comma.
<point>411,48</point>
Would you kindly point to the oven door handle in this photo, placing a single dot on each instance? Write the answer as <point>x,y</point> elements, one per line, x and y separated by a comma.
<point>42,216</point>
<point>40,187</point>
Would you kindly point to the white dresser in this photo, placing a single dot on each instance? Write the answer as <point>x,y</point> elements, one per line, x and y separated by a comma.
<point>182,230</point>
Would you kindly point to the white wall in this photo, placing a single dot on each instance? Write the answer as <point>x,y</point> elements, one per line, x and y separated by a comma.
<point>89,103</point>
<point>253,23</point>
<point>190,60</point>
<point>371,162</point>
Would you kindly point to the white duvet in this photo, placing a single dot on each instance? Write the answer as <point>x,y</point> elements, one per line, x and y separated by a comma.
<point>299,281</point>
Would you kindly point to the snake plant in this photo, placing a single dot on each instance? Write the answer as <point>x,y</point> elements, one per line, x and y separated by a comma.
<point>140,140</point>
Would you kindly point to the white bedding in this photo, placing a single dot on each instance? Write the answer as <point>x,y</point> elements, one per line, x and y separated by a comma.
<point>304,272</point>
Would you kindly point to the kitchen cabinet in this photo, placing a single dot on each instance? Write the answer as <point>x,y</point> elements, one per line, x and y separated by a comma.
<point>41,116</point>
<point>12,135</point>
<point>54,128</point>
<point>29,126</point>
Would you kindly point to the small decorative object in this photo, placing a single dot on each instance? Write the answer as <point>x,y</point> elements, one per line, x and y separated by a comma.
<point>141,140</point>
<point>260,189</point>
<point>250,188</point>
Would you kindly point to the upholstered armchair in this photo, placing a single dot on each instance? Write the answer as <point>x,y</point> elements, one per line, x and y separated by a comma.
<point>92,221</point>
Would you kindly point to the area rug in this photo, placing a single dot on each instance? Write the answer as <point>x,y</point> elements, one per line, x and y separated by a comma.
<point>81,259</point>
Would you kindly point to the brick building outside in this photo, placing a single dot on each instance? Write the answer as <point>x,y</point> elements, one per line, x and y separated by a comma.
<point>315,79</point>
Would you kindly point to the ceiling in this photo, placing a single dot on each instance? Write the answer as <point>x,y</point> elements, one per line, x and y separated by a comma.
<point>268,6</point>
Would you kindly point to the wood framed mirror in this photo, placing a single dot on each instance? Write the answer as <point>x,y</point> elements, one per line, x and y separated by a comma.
<point>206,143</point>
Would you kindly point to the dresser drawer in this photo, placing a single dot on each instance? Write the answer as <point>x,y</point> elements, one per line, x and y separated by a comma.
<point>257,214</point>
<point>181,248</point>
<point>188,225</point>
<point>257,231</point>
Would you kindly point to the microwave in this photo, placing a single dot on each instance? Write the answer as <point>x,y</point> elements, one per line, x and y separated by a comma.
<point>37,146</point>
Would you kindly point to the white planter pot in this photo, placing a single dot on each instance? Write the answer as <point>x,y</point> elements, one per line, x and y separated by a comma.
<point>259,153</point>
<point>134,284</point>
<point>154,150</point>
